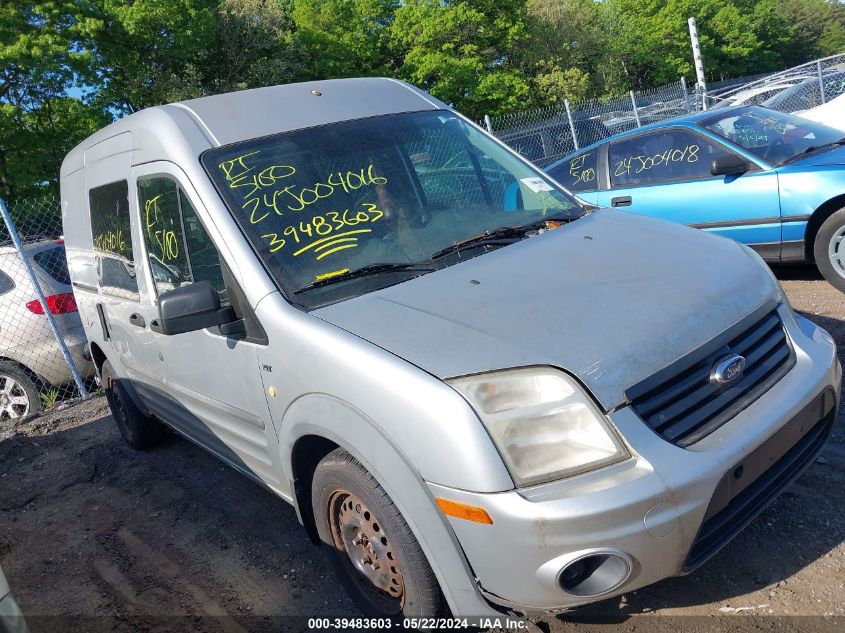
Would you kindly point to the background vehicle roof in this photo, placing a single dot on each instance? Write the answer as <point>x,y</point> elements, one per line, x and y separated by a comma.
<point>235,116</point>
<point>687,120</point>
<point>31,244</point>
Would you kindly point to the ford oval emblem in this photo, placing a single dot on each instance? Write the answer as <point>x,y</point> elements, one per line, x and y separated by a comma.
<point>728,370</point>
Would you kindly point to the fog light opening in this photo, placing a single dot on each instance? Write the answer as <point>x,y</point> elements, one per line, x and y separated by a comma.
<point>594,574</point>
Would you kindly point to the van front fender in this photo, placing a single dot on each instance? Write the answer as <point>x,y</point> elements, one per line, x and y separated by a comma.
<point>327,417</point>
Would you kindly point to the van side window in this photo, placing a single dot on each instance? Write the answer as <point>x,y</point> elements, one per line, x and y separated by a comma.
<point>202,254</point>
<point>180,251</point>
<point>112,235</point>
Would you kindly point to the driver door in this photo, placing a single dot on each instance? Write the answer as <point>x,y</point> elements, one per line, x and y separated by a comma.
<point>214,389</point>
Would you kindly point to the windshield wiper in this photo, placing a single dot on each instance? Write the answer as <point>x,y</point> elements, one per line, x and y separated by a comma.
<point>501,236</point>
<point>367,271</point>
<point>812,150</point>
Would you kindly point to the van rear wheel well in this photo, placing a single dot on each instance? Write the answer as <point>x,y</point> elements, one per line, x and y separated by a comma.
<point>816,220</point>
<point>308,451</point>
<point>98,356</point>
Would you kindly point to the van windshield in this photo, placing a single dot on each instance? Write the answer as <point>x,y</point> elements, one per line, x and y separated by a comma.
<point>385,199</point>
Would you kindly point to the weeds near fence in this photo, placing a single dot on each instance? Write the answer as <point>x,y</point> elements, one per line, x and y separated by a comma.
<point>49,398</point>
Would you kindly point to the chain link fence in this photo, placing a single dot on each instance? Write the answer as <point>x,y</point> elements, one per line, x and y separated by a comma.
<point>547,134</point>
<point>44,357</point>
<point>791,91</point>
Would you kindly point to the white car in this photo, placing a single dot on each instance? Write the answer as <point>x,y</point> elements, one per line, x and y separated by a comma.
<point>831,113</point>
<point>752,96</point>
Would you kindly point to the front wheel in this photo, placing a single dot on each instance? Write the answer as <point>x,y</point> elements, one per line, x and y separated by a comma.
<point>138,429</point>
<point>829,249</point>
<point>372,549</point>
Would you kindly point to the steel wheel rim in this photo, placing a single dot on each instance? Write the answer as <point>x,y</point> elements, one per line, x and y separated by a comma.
<point>357,532</point>
<point>14,403</point>
<point>836,251</point>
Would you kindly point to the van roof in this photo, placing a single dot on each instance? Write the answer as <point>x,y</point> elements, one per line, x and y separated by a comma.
<point>236,116</point>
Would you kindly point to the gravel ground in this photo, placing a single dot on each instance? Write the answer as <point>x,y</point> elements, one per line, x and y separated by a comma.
<point>94,536</point>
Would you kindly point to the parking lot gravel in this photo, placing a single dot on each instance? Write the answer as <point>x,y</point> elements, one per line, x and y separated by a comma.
<point>96,536</point>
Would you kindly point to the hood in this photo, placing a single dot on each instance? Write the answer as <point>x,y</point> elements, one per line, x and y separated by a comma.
<point>611,298</point>
<point>828,157</point>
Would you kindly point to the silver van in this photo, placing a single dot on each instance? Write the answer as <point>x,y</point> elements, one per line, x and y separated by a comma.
<point>482,395</point>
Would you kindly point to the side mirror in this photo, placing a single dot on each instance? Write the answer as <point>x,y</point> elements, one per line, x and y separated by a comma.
<point>192,307</point>
<point>729,165</point>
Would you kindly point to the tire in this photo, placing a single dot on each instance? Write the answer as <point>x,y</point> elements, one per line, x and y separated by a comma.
<point>19,397</point>
<point>138,429</point>
<point>358,522</point>
<point>829,249</point>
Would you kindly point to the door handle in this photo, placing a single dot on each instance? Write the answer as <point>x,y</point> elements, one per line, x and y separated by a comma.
<point>623,201</point>
<point>101,312</point>
<point>137,320</point>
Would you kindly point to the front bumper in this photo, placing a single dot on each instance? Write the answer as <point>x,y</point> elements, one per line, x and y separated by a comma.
<point>649,510</point>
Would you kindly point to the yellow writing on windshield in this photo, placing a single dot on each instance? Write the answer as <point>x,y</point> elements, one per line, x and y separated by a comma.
<point>265,192</point>
<point>333,273</point>
<point>336,242</point>
<point>237,164</point>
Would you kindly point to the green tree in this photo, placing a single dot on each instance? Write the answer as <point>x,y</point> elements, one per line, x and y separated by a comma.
<point>44,48</point>
<point>551,84</point>
<point>565,50</point>
<point>255,47</point>
<point>650,39</point>
<point>346,38</point>
<point>150,52</point>
<point>816,29</point>
<point>461,52</point>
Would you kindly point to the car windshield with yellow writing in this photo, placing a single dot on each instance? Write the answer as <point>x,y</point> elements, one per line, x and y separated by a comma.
<point>374,194</point>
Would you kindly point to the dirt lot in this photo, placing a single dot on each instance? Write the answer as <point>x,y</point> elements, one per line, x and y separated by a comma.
<point>173,540</point>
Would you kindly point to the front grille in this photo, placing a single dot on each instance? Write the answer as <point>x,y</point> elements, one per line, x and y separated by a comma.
<point>720,528</point>
<point>683,405</point>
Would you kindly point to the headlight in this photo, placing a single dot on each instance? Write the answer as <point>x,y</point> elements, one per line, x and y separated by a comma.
<point>542,422</point>
<point>778,288</point>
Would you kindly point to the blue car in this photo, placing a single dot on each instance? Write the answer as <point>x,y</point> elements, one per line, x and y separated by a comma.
<point>770,180</point>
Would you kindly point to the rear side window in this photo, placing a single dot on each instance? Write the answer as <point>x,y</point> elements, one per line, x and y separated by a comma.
<point>53,262</point>
<point>672,155</point>
<point>112,234</point>
<point>578,173</point>
<point>6,283</point>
